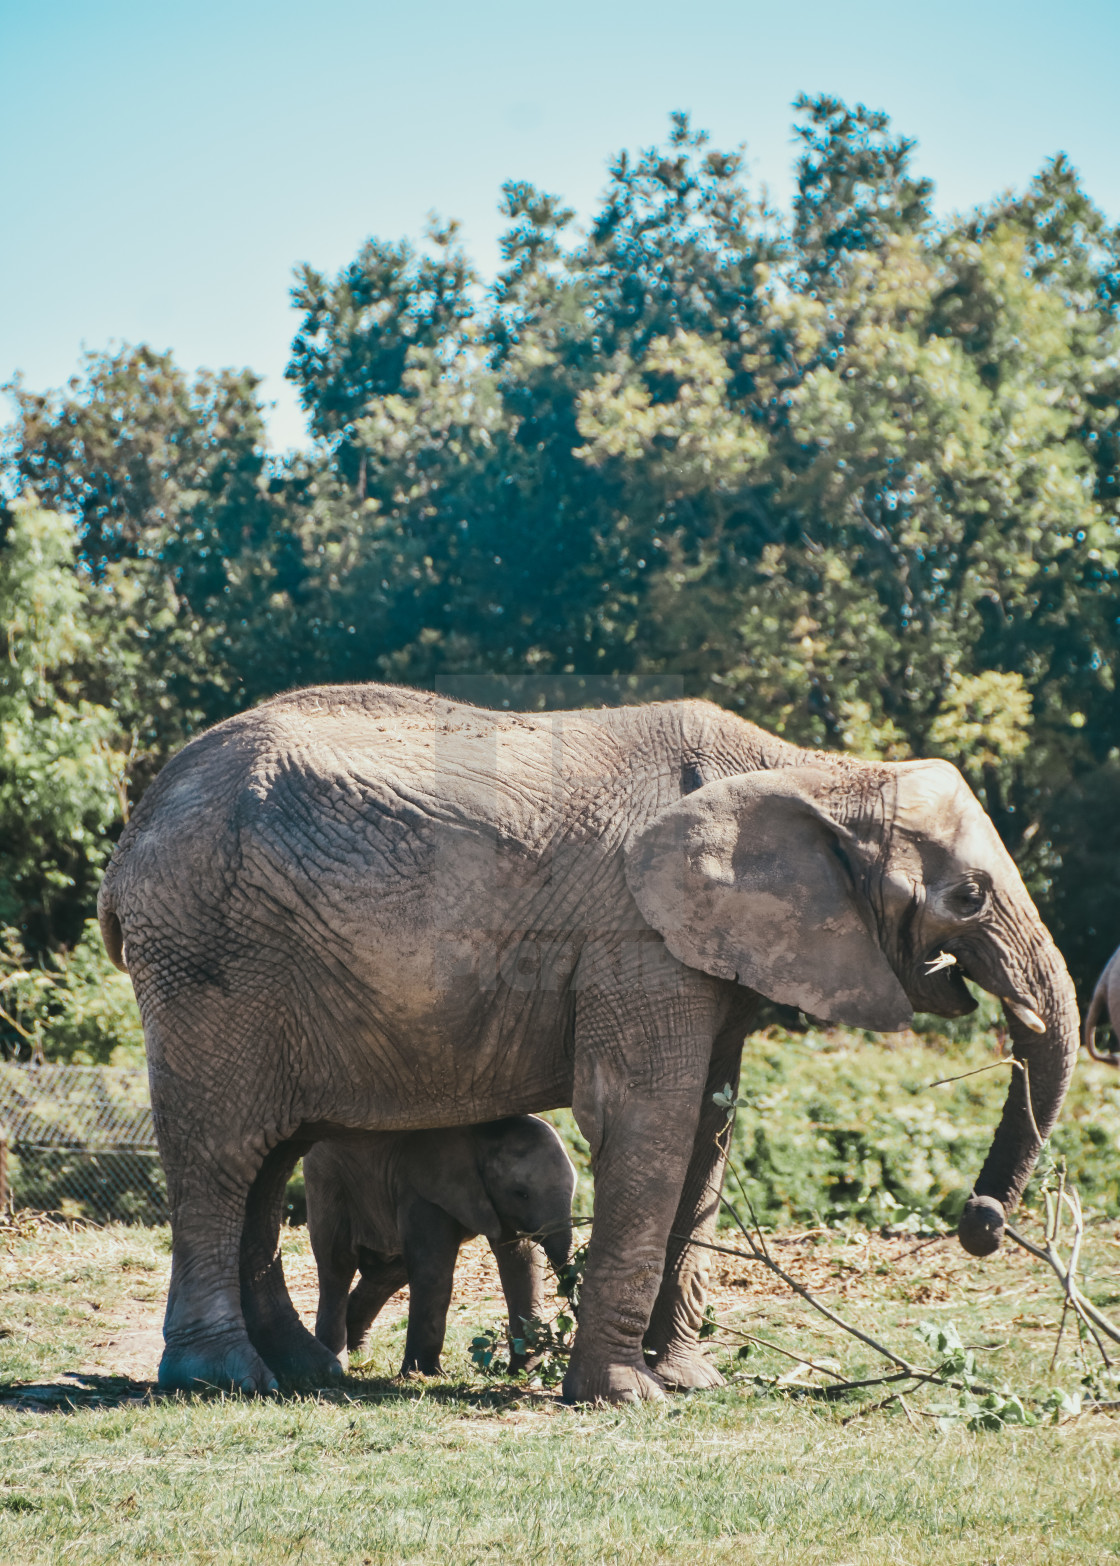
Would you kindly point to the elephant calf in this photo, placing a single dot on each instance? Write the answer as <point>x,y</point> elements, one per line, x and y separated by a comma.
<point>1106,996</point>
<point>398,1205</point>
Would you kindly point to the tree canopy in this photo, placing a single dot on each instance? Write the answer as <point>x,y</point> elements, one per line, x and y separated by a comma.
<point>851,470</point>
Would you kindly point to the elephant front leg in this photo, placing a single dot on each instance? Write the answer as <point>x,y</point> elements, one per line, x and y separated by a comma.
<point>641,1135</point>
<point>673,1339</point>
<point>521,1269</point>
<point>431,1248</point>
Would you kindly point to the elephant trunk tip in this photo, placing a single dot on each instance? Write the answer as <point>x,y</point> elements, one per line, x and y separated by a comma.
<point>558,1249</point>
<point>980,1230</point>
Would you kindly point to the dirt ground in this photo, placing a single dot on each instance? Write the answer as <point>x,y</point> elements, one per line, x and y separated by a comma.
<point>123,1334</point>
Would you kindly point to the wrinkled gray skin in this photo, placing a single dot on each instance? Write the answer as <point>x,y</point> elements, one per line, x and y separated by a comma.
<point>368,908</point>
<point>1106,998</point>
<point>399,1205</point>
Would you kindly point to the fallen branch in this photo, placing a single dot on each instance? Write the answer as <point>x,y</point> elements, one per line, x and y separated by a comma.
<point>908,1371</point>
<point>1084,1307</point>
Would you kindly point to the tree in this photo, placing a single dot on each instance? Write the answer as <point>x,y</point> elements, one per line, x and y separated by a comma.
<point>181,527</point>
<point>854,187</point>
<point>63,758</point>
<point>357,331</point>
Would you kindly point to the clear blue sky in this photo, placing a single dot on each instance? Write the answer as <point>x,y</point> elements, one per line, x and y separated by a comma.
<point>164,165</point>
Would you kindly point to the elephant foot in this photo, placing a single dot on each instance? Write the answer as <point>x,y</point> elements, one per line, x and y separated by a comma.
<point>685,1368</point>
<point>420,1365</point>
<point>298,1358</point>
<point>228,1362</point>
<point>611,1382</point>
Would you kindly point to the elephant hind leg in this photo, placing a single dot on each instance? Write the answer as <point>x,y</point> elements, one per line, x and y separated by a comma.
<point>270,1317</point>
<point>205,1339</point>
<point>380,1279</point>
<point>229,1320</point>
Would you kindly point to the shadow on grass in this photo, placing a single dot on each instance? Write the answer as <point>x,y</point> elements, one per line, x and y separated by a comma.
<point>440,1390</point>
<point>75,1390</point>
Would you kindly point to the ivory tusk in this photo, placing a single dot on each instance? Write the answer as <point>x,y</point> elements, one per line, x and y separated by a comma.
<point>942,960</point>
<point>1026,1015</point>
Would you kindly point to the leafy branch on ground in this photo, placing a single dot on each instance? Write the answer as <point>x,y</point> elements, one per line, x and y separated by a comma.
<point>546,1341</point>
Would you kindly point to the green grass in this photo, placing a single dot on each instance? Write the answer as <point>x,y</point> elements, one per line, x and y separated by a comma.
<point>426,1480</point>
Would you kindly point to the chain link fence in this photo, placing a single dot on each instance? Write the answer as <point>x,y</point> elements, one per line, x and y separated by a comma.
<point>79,1141</point>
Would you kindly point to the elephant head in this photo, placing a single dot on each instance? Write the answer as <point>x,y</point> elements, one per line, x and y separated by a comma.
<point>529,1178</point>
<point>860,892</point>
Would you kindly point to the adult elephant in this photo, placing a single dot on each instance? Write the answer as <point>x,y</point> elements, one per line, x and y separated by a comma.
<point>369,908</point>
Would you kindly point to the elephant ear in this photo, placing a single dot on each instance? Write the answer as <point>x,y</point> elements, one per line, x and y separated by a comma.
<point>748,879</point>
<point>444,1171</point>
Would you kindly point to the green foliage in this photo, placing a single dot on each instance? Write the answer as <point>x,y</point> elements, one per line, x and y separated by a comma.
<point>548,1340</point>
<point>995,1410</point>
<point>71,1006</point>
<point>63,759</point>
<point>358,332</point>
<point>192,565</point>
<point>854,187</point>
<point>836,1126</point>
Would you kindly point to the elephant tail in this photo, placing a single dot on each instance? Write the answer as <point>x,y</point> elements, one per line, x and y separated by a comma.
<point>1093,1017</point>
<point>113,937</point>
<point>111,932</point>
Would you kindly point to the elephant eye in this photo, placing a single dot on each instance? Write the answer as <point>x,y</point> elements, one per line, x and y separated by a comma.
<point>967,899</point>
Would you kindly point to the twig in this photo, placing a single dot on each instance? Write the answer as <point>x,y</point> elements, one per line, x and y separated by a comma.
<point>756,1255</point>
<point>1058,1340</point>
<point>750,1338</point>
<point>906,1410</point>
<point>1023,1067</point>
<point>1005,1060</point>
<point>828,1393</point>
<point>910,1372</point>
<point>1083,1306</point>
<point>921,1246</point>
<point>12,1023</point>
<point>754,1217</point>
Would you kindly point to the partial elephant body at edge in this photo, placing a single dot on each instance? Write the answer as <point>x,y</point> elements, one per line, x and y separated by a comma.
<point>1105,1003</point>
<point>364,908</point>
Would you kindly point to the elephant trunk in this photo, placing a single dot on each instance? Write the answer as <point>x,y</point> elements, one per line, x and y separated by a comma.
<point>557,1242</point>
<point>1045,1038</point>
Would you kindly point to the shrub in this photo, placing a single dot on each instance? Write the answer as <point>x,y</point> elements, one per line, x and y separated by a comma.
<point>72,1006</point>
